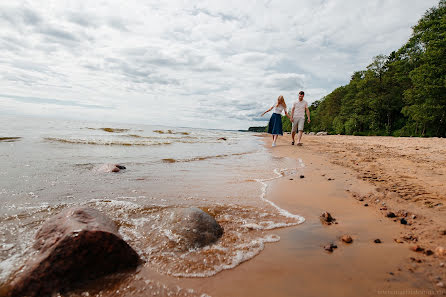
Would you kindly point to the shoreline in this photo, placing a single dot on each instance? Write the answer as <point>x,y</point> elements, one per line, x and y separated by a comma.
<point>337,176</point>
<point>298,265</point>
<point>382,175</point>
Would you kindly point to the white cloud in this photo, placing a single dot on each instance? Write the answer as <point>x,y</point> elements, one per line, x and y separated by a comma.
<point>222,62</point>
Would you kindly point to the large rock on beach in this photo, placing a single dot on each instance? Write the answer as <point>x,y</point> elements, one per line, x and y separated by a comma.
<point>193,228</point>
<point>76,245</point>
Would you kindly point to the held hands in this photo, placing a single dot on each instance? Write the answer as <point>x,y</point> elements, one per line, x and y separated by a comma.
<point>309,121</point>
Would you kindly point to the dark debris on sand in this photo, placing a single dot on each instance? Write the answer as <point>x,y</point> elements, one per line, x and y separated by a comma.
<point>327,219</point>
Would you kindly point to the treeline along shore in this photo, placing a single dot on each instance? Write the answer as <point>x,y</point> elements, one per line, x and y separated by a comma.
<point>402,94</point>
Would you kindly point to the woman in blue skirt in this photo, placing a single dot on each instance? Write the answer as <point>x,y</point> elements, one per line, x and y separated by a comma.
<point>275,123</point>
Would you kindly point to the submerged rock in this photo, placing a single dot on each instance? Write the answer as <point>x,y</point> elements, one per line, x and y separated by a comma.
<point>193,228</point>
<point>110,168</point>
<point>77,244</point>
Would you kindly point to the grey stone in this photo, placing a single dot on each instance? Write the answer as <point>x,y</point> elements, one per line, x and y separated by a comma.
<point>194,228</point>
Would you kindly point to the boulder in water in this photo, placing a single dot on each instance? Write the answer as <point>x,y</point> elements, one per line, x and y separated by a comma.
<point>193,228</point>
<point>110,168</point>
<point>76,245</point>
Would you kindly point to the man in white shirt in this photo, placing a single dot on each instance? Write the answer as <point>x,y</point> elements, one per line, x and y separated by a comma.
<point>298,117</point>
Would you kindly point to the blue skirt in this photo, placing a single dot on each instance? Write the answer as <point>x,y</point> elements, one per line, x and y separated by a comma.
<point>275,124</point>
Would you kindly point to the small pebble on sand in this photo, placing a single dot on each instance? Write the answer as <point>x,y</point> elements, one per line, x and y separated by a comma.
<point>390,214</point>
<point>417,248</point>
<point>346,238</point>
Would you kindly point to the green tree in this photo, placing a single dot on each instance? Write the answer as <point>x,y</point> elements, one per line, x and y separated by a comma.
<point>403,93</point>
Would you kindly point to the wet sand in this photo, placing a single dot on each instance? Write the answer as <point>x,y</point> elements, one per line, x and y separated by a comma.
<point>341,175</point>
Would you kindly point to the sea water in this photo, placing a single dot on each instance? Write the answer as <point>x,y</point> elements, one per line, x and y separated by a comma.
<point>49,165</point>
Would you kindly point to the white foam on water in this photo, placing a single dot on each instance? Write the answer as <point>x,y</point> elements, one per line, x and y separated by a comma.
<point>171,236</point>
<point>280,173</point>
<point>242,253</point>
<point>7,266</point>
<point>115,203</point>
<point>252,226</point>
<point>6,246</point>
<point>15,259</point>
<point>269,225</point>
<point>139,222</point>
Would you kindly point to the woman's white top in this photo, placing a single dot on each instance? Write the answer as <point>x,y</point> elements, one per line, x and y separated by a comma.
<point>279,109</point>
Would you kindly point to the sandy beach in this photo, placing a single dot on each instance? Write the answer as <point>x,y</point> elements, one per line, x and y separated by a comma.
<point>384,189</point>
<point>359,180</point>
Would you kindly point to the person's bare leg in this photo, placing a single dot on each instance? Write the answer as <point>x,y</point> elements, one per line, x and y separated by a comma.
<point>299,136</point>
<point>292,135</point>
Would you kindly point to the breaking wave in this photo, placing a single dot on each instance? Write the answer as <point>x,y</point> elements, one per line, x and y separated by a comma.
<point>202,158</point>
<point>106,142</point>
<point>9,139</point>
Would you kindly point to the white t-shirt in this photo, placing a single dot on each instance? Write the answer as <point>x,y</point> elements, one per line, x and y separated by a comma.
<point>279,109</point>
<point>299,109</point>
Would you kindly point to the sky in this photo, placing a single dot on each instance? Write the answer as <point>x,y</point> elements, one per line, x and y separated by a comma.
<point>205,64</point>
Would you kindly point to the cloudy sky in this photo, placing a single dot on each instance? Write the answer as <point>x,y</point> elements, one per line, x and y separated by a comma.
<point>215,64</point>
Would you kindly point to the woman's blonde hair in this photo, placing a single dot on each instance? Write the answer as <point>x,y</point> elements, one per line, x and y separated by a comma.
<point>280,101</point>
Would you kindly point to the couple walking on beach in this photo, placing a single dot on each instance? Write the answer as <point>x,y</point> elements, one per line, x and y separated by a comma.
<point>297,118</point>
